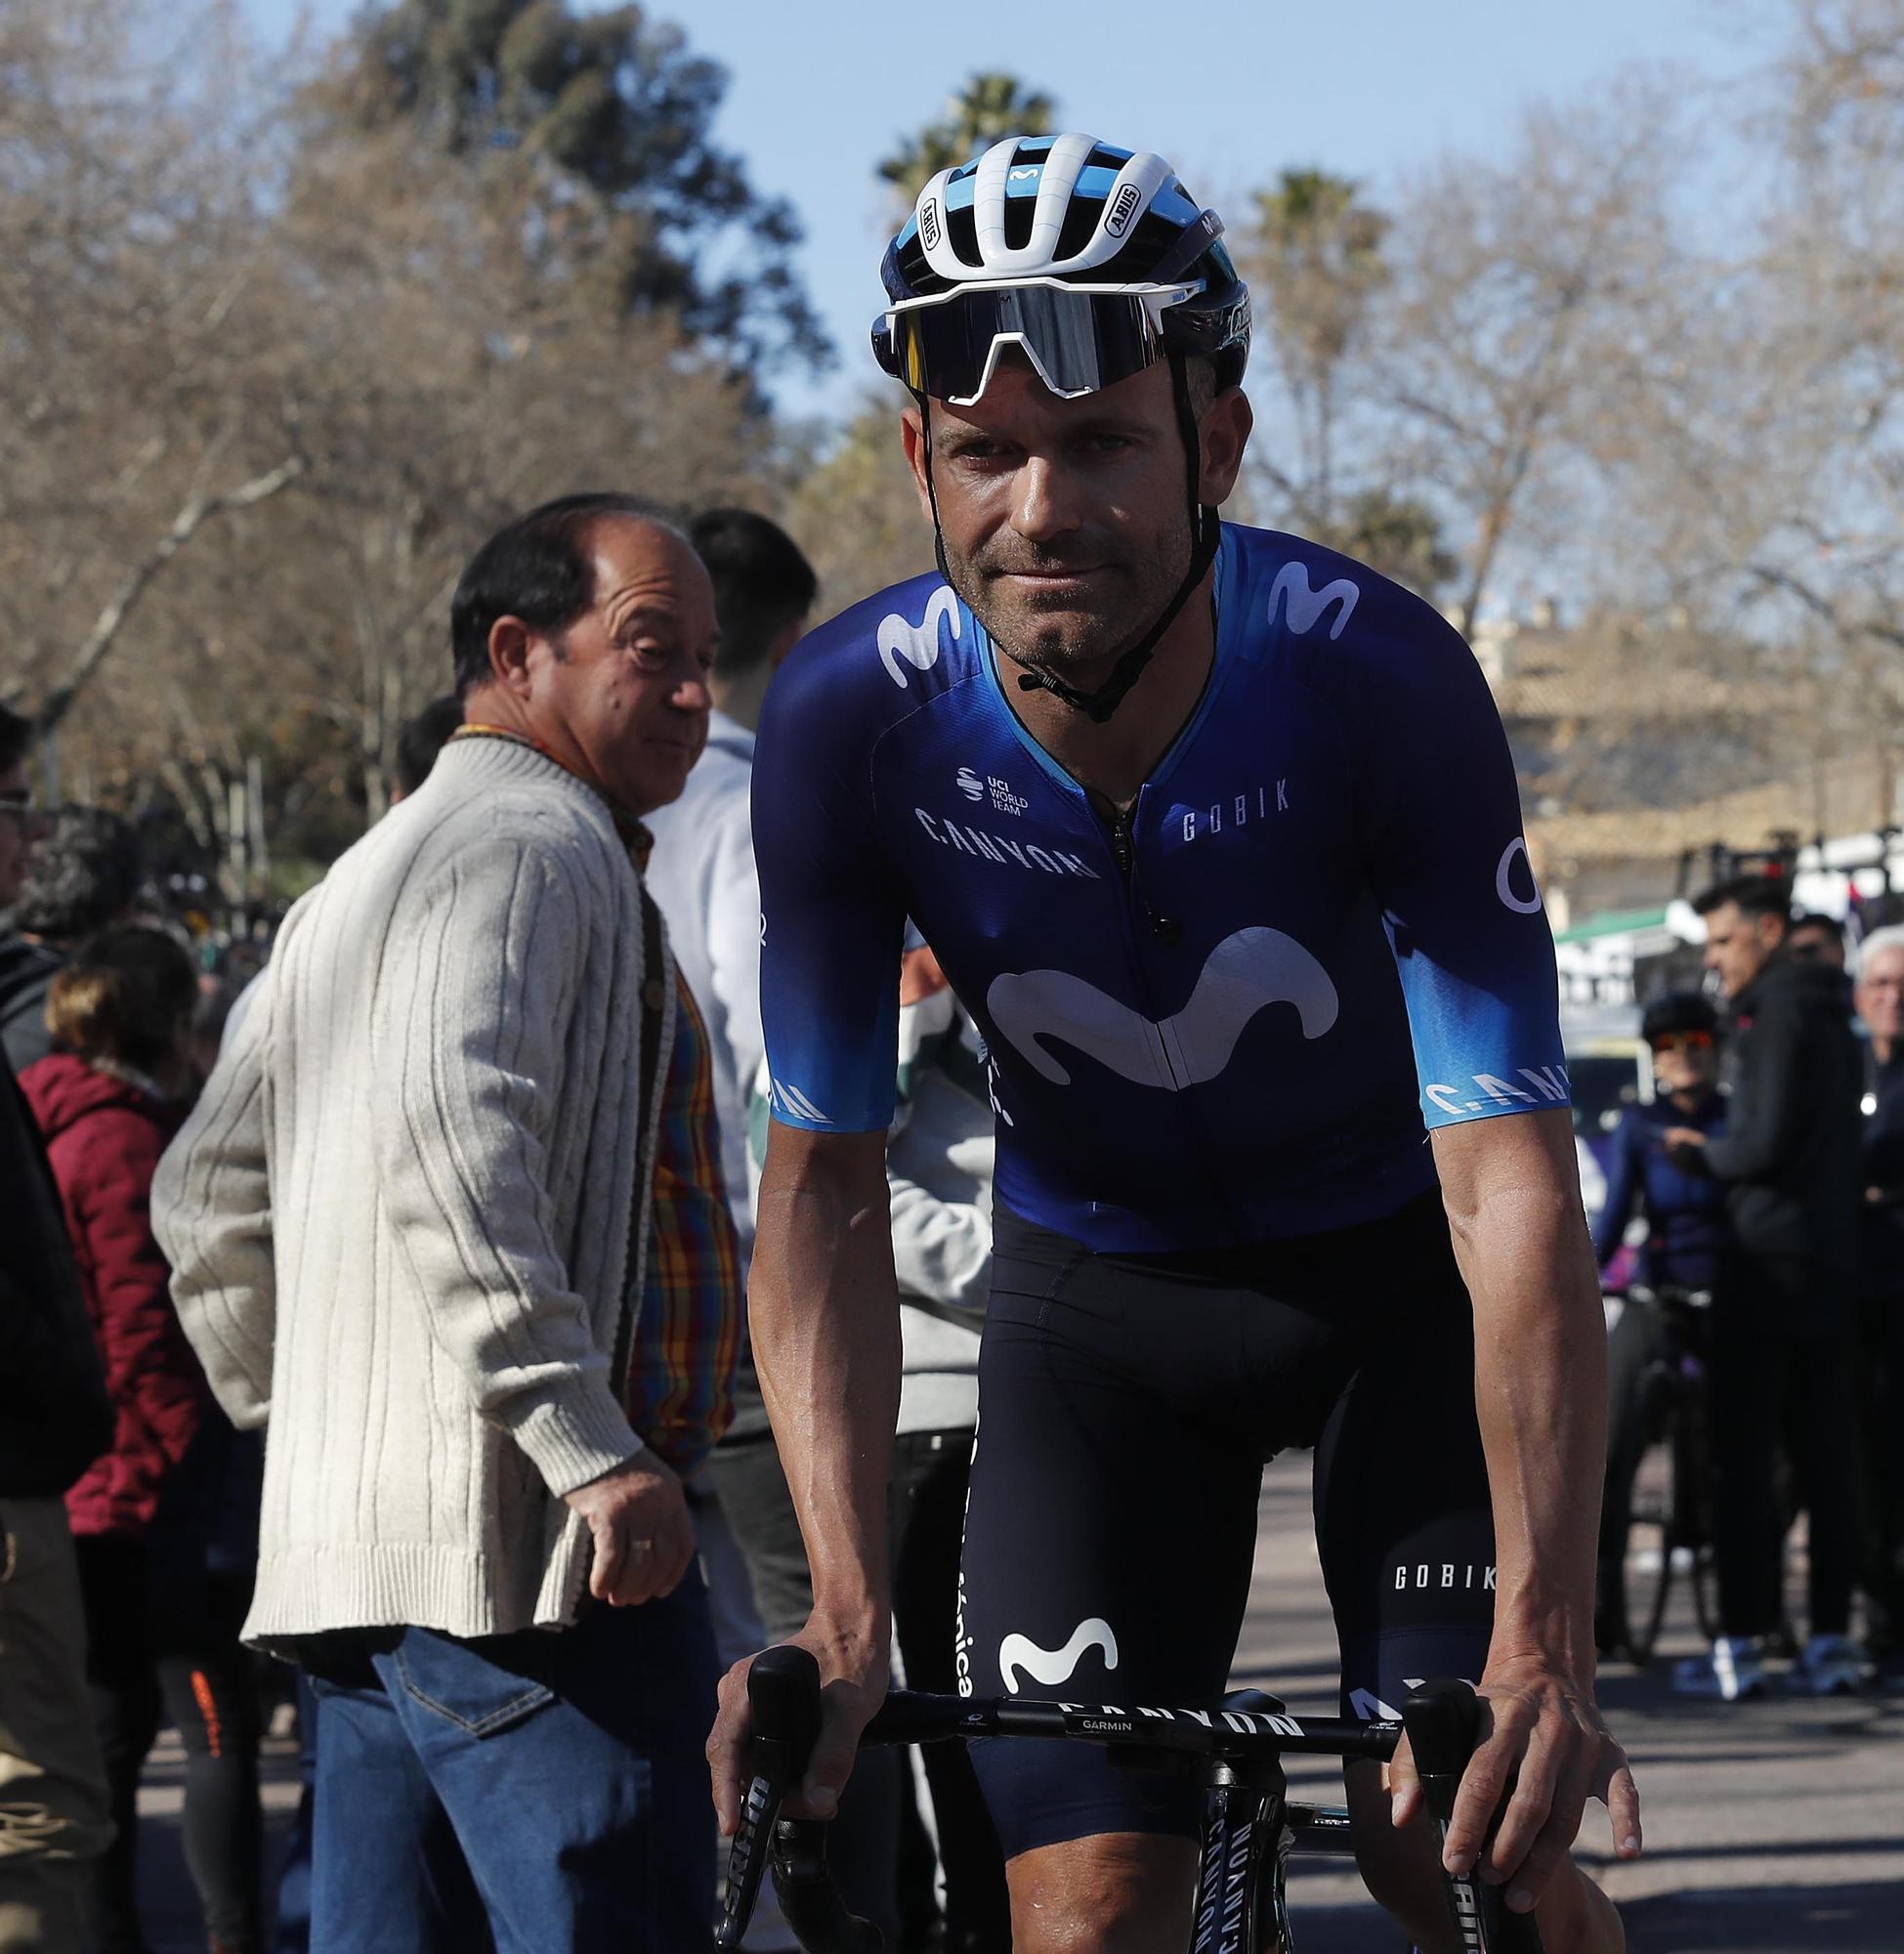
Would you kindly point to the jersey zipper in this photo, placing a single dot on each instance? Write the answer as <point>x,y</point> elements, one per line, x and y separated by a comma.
<point>1192,1134</point>
<point>1123,851</point>
<point>1132,904</point>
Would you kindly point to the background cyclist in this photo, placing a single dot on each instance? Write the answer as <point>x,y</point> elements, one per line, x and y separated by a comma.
<point>1132,758</point>
<point>1686,1230</point>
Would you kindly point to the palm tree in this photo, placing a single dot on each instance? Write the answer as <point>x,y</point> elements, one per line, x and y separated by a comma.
<point>987,108</point>
<point>1314,261</point>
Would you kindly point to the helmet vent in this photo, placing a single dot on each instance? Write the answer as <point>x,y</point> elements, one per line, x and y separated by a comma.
<point>1080,226</point>
<point>1019,213</point>
<point>962,234</point>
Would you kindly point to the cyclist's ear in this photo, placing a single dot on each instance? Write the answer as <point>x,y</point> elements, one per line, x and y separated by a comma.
<point>912,438</point>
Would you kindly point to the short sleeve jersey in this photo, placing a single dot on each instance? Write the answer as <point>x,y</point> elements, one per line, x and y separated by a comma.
<point>1224,1018</point>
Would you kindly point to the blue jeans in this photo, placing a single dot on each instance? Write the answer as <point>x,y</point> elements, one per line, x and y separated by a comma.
<point>554,1783</point>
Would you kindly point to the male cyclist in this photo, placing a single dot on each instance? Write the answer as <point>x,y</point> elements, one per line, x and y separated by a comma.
<point>1209,828</point>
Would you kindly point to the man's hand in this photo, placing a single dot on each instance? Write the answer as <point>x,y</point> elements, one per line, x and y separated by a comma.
<point>854,1672</point>
<point>1547,1732</point>
<point>1682,1136</point>
<point>644,1539</point>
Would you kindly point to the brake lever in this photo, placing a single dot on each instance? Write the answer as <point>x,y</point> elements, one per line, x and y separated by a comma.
<point>809,1900</point>
<point>1443,1719</point>
<point>784,1695</point>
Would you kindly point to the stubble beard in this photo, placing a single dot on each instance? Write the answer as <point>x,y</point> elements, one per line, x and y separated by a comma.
<point>1073,645</point>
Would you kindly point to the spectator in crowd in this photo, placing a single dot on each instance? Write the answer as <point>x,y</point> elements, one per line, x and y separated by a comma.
<point>484,1389</point>
<point>1818,939</point>
<point>939,1164</point>
<point>161,1630</point>
<point>420,740</point>
<point>702,873</point>
<point>1686,1239</point>
<point>54,1421</point>
<point>1783,1330</point>
<point>1880,1004</point>
<point>85,874</point>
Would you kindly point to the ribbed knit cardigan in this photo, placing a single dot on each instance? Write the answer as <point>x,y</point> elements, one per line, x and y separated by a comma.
<point>399,1218</point>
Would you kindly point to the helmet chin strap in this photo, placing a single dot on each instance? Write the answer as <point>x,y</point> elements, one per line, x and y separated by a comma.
<point>1205,530</point>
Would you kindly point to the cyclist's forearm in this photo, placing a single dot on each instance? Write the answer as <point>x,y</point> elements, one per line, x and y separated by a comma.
<point>1540,1383</point>
<point>823,1314</point>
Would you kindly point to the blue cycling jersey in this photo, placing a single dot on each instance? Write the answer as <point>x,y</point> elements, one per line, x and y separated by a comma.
<point>1199,1016</point>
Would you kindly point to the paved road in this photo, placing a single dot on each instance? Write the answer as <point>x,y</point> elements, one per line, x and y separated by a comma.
<point>1772,1828</point>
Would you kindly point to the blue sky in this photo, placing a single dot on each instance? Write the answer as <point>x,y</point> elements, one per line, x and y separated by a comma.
<point>1367,88</point>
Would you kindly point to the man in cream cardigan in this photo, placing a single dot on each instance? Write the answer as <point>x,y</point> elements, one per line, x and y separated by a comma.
<point>408,1221</point>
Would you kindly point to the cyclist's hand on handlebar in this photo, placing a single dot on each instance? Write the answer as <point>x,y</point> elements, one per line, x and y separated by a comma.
<point>1545,1731</point>
<point>853,1682</point>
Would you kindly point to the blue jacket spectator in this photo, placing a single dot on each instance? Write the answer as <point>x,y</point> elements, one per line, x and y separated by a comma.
<point>1685,1212</point>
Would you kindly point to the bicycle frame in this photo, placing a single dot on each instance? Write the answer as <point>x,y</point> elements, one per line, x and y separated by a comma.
<point>1248,1826</point>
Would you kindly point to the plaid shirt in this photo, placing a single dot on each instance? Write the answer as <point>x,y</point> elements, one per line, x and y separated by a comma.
<point>681,1361</point>
<point>680,1384</point>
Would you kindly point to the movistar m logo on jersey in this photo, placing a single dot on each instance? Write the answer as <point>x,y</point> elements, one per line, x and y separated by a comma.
<point>917,643</point>
<point>1245,974</point>
<point>1303,607</point>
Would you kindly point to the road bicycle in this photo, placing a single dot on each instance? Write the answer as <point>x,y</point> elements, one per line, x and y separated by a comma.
<point>1663,1472</point>
<point>1235,1749</point>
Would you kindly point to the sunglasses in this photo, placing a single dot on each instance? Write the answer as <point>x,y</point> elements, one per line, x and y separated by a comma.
<point>1683,1042</point>
<point>1079,338</point>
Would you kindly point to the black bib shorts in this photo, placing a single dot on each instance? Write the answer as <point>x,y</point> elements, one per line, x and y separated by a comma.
<point>1127,1407</point>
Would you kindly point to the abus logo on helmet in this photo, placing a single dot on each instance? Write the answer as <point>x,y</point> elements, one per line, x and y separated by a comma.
<point>1123,207</point>
<point>969,784</point>
<point>930,224</point>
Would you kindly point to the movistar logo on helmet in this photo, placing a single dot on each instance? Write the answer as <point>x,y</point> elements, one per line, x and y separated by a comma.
<point>1123,207</point>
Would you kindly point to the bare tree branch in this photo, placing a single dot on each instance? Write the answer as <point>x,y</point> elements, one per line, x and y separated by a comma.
<point>198,511</point>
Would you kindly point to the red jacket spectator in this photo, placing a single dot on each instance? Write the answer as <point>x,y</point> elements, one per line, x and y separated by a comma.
<point>103,1135</point>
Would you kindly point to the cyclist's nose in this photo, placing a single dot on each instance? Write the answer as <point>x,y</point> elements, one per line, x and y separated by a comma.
<point>1044,503</point>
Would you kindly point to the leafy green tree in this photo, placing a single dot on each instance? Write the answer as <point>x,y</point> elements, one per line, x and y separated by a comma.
<point>594,129</point>
<point>987,110</point>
